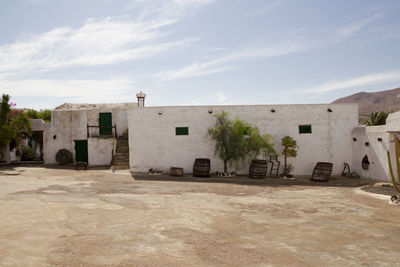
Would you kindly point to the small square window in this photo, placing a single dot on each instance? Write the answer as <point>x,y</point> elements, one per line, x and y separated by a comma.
<point>305,129</point>
<point>182,131</point>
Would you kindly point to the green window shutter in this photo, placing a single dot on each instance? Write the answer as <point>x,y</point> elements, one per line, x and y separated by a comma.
<point>305,129</point>
<point>105,121</point>
<point>181,130</point>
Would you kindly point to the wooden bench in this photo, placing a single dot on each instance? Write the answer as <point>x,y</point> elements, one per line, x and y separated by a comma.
<point>322,172</point>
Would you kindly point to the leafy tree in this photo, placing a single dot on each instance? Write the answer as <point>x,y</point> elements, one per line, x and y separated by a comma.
<point>44,114</point>
<point>289,150</point>
<point>376,118</point>
<point>238,141</point>
<point>13,124</point>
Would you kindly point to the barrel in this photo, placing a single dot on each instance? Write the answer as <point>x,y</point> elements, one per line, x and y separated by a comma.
<point>258,169</point>
<point>201,167</point>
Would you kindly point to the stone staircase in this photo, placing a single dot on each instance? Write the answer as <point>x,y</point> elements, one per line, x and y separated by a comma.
<point>121,156</point>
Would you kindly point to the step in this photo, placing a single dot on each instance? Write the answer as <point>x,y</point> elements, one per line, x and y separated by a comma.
<point>121,164</point>
<point>121,154</point>
<point>121,158</point>
<point>122,167</point>
<point>122,144</point>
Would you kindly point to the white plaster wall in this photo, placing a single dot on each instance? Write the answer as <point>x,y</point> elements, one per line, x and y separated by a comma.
<point>153,143</point>
<point>70,125</point>
<point>6,154</point>
<point>58,135</point>
<point>100,151</point>
<point>376,152</point>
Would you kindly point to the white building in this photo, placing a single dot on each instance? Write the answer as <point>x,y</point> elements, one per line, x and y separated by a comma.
<point>165,137</point>
<point>323,133</point>
<point>88,131</point>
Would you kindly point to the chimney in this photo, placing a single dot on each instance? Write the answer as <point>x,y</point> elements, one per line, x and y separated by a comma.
<point>140,99</point>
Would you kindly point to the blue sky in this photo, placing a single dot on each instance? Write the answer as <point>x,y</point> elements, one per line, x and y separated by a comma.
<point>196,52</point>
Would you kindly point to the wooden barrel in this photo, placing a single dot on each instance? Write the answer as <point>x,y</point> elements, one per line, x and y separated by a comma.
<point>201,167</point>
<point>258,169</point>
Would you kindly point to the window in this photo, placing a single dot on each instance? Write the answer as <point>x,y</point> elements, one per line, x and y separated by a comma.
<point>305,129</point>
<point>182,131</point>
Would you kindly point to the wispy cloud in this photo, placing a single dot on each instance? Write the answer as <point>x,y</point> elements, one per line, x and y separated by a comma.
<point>361,81</point>
<point>262,10</point>
<point>356,26</point>
<point>102,42</point>
<point>224,62</point>
<point>113,90</point>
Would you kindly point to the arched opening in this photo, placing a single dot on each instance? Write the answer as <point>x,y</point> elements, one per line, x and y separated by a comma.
<point>365,163</point>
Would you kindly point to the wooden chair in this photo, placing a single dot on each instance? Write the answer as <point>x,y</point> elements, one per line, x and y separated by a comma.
<point>275,164</point>
<point>322,172</point>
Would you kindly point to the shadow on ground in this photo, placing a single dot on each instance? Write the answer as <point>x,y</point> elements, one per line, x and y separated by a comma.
<point>302,180</point>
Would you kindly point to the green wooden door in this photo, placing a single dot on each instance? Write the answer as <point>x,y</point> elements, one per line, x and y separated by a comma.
<point>105,123</point>
<point>81,150</point>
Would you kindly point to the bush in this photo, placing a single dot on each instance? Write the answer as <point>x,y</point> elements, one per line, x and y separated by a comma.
<point>28,153</point>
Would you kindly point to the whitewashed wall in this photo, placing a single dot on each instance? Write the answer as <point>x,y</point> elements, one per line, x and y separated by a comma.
<point>153,143</point>
<point>366,143</point>
<point>69,125</point>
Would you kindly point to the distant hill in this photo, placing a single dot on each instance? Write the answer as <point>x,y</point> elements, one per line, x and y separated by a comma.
<point>388,101</point>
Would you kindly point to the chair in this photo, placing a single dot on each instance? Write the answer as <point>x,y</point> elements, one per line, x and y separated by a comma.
<point>275,164</point>
<point>348,173</point>
<point>322,172</point>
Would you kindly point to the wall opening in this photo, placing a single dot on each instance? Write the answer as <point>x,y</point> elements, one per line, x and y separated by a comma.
<point>365,163</point>
<point>181,130</point>
<point>305,129</point>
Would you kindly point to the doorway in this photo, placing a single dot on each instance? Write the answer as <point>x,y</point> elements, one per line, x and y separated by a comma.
<point>81,150</point>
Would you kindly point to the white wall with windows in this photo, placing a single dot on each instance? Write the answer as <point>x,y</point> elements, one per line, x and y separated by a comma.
<point>323,133</point>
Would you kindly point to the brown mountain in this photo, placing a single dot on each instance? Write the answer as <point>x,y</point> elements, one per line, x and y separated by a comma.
<point>388,100</point>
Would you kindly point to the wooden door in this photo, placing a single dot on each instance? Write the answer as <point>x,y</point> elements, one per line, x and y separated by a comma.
<point>81,150</point>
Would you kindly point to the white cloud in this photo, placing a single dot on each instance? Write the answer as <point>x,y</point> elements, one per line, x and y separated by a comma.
<point>262,10</point>
<point>365,80</point>
<point>83,90</point>
<point>352,28</point>
<point>102,42</point>
<point>225,62</point>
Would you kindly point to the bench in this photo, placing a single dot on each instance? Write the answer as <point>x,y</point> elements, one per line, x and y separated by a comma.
<point>322,172</point>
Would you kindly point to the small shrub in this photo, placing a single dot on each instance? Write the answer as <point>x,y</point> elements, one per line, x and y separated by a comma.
<point>28,153</point>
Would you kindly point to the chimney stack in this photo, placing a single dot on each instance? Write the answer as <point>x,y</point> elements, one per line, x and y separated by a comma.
<point>140,99</point>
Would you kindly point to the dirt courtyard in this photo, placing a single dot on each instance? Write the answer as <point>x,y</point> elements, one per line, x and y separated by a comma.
<point>96,217</point>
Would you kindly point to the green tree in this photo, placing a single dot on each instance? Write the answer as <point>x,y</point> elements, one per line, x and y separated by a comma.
<point>13,124</point>
<point>238,141</point>
<point>289,150</point>
<point>376,118</point>
<point>44,114</point>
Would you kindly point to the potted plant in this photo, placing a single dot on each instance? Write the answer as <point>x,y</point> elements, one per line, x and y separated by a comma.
<point>289,151</point>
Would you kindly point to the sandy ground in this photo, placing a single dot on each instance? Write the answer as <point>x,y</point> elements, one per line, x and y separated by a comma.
<point>57,217</point>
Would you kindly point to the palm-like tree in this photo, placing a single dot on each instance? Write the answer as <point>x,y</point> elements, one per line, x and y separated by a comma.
<point>376,118</point>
